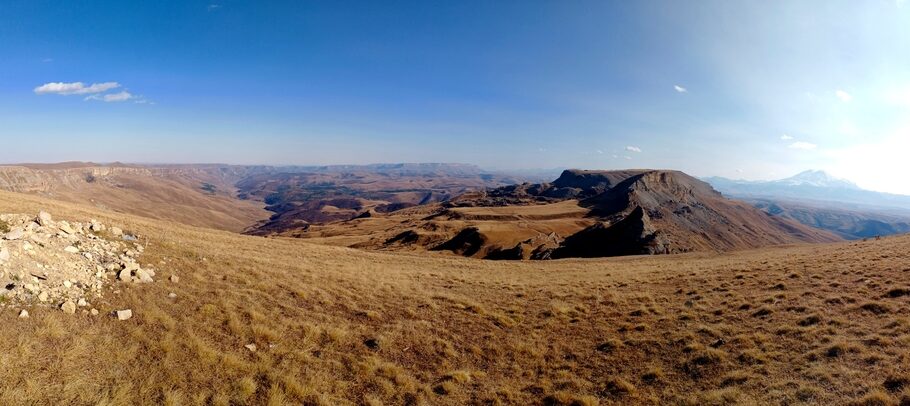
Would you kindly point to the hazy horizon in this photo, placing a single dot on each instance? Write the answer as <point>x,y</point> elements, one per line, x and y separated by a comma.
<point>743,90</point>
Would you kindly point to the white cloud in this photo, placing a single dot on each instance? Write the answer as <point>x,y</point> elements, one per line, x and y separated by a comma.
<point>213,7</point>
<point>600,152</point>
<point>67,89</point>
<point>633,149</point>
<point>843,96</point>
<point>112,97</point>
<point>628,157</point>
<point>803,145</point>
<point>680,89</point>
<point>786,137</point>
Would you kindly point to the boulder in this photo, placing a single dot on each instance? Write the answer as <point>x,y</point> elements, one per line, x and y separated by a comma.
<point>143,277</point>
<point>15,234</point>
<point>66,228</point>
<point>45,219</point>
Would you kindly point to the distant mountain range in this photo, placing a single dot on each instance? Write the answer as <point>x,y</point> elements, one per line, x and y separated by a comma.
<point>820,200</point>
<point>813,186</point>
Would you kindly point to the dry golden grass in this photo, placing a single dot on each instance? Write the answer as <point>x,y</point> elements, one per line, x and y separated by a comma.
<point>825,324</point>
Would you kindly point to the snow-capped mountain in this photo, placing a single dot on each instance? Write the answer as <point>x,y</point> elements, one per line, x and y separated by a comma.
<point>816,186</point>
<point>817,179</point>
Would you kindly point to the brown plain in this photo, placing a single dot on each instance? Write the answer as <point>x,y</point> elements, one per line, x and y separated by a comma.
<point>812,324</point>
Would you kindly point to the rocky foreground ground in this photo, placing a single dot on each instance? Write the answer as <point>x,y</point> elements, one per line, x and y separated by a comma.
<point>65,265</point>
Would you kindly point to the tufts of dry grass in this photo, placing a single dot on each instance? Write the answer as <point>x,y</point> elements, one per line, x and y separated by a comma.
<point>335,326</point>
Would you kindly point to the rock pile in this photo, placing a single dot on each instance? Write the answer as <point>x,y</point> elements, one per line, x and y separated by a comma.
<point>62,264</point>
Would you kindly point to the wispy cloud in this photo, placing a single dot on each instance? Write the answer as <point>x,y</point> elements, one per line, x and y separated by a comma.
<point>67,89</point>
<point>112,97</point>
<point>213,7</point>
<point>803,145</point>
<point>633,149</point>
<point>786,137</point>
<point>680,89</point>
<point>843,96</point>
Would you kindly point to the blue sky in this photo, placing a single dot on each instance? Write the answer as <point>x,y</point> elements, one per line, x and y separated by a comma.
<point>754,90</point>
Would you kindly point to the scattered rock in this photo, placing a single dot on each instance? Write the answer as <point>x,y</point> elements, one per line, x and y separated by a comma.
<point>23,314</point>
<point>116,231</point>
<point>60,262</point>
<point>175,278</point>
<point>68,307</point>
<point>15,234</point>
<point>124,314</point>
<point>66,228</point>
<point>45,219</point>
<point>94,312</point>
<point>172,295</point>
<point>251,347</point>
<point>143,276</point>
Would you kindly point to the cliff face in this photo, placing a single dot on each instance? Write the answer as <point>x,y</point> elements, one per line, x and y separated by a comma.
<point>199,195</point>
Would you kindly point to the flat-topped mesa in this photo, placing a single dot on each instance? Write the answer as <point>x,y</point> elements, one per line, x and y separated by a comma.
<point>594,180</point>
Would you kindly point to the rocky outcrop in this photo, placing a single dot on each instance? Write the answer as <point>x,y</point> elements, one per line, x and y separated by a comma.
<point>63,264</point>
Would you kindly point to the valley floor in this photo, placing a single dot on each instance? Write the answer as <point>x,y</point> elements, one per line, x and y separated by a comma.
<point>822,324</point>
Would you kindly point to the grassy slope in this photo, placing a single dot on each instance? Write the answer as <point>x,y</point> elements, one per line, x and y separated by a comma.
<point>799,324</point>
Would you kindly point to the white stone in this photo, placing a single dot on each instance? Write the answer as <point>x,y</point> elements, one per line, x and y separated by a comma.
<point>15,234</point>
<point>44,218</point>
<point>116,231</point>
<point>175,278</point>
<point>124,314</point>
<point>251,347</point>
<point>71,249</point>
<point>66,228</point>
<point>81,302</point>
<point>42,296</point>
<point>68,307</point>
<point>23,314</point>
<point>143,276</point>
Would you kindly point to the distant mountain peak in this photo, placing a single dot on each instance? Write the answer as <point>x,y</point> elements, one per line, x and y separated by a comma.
<point>818,178</point>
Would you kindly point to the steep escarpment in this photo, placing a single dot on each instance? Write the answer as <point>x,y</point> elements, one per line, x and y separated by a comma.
<point>571,184</point>
<point>661,212</point>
